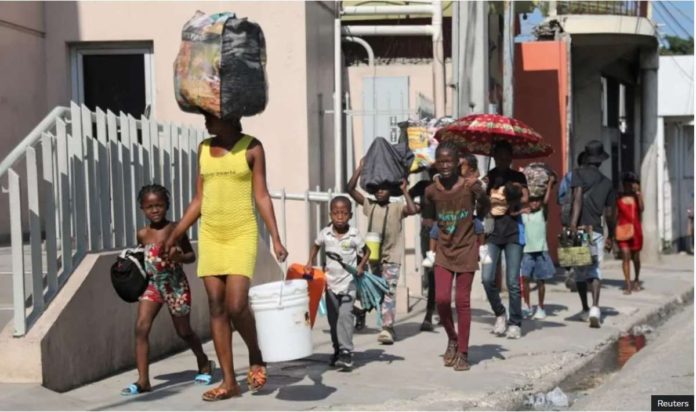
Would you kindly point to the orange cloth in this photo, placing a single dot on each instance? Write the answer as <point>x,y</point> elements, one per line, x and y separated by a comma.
<point>315,286</point>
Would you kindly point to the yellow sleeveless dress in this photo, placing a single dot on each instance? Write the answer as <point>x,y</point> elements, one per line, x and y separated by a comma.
<point>228,234</point>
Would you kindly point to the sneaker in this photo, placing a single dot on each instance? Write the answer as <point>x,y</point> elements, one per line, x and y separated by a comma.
<point>334,359</point>
<point>526,311</point>
<point>514,332</point>
<point>345,361</point>
<point>461,363</point>
<point>450,355</point>
<point>585,316</point>
<point>540,314</point>
<point>427,326</point>
<point>595,315</point>
<point>386,336</point>
<point>359,319</point>
<point>429,260</point>
<point>500,325</point>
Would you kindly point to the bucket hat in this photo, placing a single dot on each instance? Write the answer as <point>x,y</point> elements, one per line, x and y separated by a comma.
<point>595,153</point>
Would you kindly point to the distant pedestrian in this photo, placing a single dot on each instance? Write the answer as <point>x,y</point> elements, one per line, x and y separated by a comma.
<point>629,231</point>
<point>340,238</point>
<point>167,284</point>
<point>564,198</point>
<point>508,191</point>
<point>593,196</point>
<point>536,262</point>
<point>452,205</point>
<point>386,219</point>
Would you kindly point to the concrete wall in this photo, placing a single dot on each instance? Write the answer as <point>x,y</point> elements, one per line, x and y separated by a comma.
<point>675,93</point>
<point>22,97</point>
<point>87,333</point>
<point>541,96</point>
<point>299,39</point>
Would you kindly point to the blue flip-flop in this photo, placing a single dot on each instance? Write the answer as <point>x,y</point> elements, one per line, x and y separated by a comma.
<point>133,389</point>
<point>207,377</point>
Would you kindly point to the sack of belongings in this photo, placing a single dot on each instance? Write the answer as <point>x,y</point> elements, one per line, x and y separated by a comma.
<point>538,175</point>
<point>220,68</point>
<point>385,164</point>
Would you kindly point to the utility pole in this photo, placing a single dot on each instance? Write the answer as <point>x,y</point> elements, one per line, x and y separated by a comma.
<point>508,57</point>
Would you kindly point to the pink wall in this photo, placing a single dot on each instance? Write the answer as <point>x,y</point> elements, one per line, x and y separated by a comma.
<point>541,97</point>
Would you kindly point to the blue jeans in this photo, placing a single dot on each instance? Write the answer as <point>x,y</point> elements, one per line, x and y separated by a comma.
<point>513,259</point>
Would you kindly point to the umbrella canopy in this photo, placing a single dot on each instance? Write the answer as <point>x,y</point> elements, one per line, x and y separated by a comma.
<point>478,133</point>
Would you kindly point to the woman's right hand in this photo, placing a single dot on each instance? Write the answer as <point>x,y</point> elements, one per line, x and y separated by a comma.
<point>280,252</point>
<point>168,245</point>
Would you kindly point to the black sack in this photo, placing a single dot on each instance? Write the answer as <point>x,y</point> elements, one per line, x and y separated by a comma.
<point>221,66</point>
<point>128,275</point>
<point>385,164</point>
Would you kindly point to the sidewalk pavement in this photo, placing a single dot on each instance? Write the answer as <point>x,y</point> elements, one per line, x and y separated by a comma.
<point>408,375</point>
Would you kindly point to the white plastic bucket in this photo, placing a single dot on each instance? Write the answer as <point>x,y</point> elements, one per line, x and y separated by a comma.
<point>282,324</point>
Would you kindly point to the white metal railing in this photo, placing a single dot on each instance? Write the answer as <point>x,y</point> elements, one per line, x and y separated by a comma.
<point>316,201</point>
<point>79,193</point>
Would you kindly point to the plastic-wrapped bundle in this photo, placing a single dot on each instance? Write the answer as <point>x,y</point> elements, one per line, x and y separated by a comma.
<point>220,68</point>
<point>538,175</point>
<point>385,164</point>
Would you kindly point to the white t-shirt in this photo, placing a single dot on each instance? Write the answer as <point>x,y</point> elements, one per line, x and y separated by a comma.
<point>347,246</point>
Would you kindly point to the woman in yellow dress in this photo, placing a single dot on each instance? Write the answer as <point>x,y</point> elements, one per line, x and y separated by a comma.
<point>232,168</point>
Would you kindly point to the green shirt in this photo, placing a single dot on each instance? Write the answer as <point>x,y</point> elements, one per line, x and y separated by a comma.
<point>535,232</point>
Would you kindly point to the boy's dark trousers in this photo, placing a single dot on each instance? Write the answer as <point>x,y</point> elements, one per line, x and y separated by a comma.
<point>341,320</point>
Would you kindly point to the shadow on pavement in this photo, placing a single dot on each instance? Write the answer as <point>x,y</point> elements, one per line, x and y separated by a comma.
<point>530,325</point>
<point>554,310</point>
<point>481,353</point>
<point>285,376</point>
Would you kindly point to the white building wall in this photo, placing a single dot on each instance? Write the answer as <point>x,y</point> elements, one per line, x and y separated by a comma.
<point>676,111</point>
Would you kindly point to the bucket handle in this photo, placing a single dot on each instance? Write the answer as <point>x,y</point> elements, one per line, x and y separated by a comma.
<point>284,276</point>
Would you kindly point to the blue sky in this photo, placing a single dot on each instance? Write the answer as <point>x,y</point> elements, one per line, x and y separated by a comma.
<point>672,17</point>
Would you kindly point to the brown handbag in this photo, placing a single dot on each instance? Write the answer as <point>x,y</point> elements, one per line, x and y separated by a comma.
<point>626,231</point>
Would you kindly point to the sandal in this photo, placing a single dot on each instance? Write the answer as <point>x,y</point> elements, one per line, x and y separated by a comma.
<point>257,378</point>
<point>462,362</point>
<point>134,389</point>
<point>205,378</point>
<point>450,355</point>
<point>220,394</point>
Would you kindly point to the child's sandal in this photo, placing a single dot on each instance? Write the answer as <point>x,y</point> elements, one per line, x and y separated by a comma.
<point>205,378</point>
<point>133,389</point>
<point>257,378</point>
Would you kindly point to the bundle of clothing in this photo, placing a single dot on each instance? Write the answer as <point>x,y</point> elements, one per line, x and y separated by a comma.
<point>220,68</point>
<point>538,175</point>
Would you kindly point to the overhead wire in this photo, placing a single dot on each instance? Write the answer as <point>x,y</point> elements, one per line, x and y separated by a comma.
<point>674,19</point>
<point>686,16</point>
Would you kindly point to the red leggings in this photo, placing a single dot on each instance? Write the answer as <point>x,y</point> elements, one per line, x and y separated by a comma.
<point>443,299</point>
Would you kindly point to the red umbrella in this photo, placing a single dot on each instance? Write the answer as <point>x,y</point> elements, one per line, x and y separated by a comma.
<point>477,133</point>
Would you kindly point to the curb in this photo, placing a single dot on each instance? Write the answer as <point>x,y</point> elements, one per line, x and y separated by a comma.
<point>515,398</point>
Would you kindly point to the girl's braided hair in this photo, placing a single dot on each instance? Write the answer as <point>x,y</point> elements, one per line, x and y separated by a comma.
<point>156,189</point>
<point>448,146</point>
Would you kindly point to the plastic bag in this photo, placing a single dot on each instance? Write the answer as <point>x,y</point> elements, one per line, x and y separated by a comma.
<point>220,68</point>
